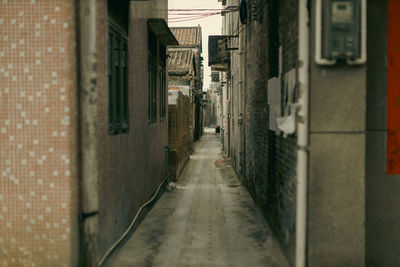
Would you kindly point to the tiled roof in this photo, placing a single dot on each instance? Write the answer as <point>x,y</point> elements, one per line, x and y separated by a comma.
<point>187,36</point>
<point>180,60</point>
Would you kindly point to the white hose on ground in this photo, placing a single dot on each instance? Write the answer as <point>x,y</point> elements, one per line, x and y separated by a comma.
<point>111,249</point>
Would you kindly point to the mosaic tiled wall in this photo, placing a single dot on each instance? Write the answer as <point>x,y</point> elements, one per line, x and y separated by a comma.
<point>37,129</point>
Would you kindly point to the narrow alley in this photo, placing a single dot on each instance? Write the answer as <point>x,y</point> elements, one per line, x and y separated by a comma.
<point>200,133</point>
<point>209,220</point>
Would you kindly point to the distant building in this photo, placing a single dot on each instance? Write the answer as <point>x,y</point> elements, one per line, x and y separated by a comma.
<point>213,111</point>
<point>181,109</point>
<point>189,38</point>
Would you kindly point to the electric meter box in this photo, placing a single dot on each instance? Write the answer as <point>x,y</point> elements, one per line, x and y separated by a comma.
<point>341,31</point>
<point>341,34</point>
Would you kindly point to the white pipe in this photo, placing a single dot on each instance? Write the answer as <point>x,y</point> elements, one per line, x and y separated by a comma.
<point>114,246</point>
<point>302,136</point>
<point>363,57</point>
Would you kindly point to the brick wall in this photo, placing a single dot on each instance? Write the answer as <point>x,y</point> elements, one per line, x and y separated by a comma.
<point>266,159</point>
<point>38,133</point>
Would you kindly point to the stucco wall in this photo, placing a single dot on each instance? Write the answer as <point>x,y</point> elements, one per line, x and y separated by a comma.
<point>336,197</point>
<point>132,165</point>
<point>38,185</point>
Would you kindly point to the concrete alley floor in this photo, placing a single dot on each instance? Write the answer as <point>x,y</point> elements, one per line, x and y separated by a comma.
<point>209,220</point>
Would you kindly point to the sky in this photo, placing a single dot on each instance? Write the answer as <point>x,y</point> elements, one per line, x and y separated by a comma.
<point>210,26</point>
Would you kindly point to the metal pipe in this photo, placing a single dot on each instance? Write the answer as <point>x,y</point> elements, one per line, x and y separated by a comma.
<point>302,136</point>
<point>88,139</point>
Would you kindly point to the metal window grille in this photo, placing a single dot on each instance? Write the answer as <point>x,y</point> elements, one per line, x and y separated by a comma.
<point>152,88</point>
<point>163,89</point>
<point>152,76</point>
<point>118,104</point>
<point>163,80</point>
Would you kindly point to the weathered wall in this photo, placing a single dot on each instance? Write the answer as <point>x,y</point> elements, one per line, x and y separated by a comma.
<point>178,129</point>
<point>382,190</point>
<point>263,157</point>
<point>131,165</point>
<point>336,197</point>
<point>38,103</point>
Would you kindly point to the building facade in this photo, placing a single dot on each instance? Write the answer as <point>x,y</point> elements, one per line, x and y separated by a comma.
<point>85,126</point>
<point>213,111</point>
<point>189,38</point>
<point>315,144</point>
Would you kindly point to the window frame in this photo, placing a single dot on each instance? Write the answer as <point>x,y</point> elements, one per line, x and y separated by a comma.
<point>152,87</point>
<point>163,92</point>
<point>118,79</point>
<point>162,80</point>
<point>273,38</point>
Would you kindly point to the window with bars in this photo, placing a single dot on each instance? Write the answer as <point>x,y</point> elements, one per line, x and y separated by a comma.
<point>163,82</point>
<point>163,92</point>
<point>157,80</point>
<point>273,38</point>
<point>152,76</point>
<point>152,87</point>
<point>118,105</point>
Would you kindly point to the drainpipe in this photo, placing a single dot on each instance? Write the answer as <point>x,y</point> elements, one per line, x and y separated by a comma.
<point>88,144</point>
<point>302,136</point>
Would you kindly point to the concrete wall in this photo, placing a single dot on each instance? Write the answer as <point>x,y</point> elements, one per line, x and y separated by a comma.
<point>38,103</point>
<point>336,209</point>
<point>131,165</point>
<point>382,190</point>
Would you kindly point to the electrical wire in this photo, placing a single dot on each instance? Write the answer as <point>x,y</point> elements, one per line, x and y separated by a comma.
<point>114,246</point>
<point>188,15</point>
<point>194,9</point>
<point>174,20</point>
<point>177,15</point>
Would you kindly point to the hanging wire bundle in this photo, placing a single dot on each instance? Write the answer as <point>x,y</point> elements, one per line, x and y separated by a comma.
<point>182,15</point>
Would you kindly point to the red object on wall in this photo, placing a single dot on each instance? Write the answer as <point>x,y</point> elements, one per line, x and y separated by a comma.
<point>393,88</point>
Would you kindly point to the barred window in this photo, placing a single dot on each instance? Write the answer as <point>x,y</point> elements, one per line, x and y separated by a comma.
<point>273,38</point>
<point>152,88</point>
<point>163,92</point>
<point>118,104</point>
<point>163,81</point>
<point>156,72</point>
<point>152,76</point>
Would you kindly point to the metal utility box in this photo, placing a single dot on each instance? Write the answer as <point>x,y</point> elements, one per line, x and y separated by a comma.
<point>341,24</point>
<point>340,31</point>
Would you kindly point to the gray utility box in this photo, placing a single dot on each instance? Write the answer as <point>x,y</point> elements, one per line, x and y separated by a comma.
<point>341,34</point>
